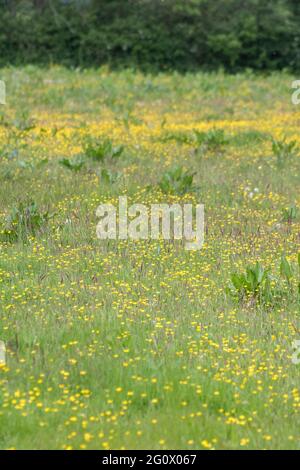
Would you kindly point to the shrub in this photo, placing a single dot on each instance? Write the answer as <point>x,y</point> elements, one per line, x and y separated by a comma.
<point>156,34</point>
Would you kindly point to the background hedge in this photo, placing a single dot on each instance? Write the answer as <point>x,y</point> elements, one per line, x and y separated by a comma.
<point>152,34</point>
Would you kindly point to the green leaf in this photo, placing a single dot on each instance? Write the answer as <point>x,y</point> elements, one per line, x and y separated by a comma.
<point>286,269</point>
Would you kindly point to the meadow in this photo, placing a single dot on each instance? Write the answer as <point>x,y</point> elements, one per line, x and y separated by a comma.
<point>143,344</point>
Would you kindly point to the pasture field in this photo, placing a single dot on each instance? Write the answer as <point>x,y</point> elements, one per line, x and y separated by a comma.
<point>143,344</point>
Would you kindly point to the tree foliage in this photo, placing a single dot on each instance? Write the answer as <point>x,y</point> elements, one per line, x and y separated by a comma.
<point>152,34</point>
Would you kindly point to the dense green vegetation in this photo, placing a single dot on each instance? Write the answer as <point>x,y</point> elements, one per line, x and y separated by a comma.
<point>156,34</point>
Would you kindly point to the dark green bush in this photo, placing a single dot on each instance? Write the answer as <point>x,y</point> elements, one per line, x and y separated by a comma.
<point>152,34</point>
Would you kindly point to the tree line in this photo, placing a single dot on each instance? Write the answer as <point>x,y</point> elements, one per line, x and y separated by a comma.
<point>152,34</point>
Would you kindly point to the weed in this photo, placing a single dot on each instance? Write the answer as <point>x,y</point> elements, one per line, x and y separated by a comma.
<point>177,181</point>
<point>212,139</point>
<point>74,164</point>
<point>179,137</point>
<point>284,151</point>
<point>100,149</point>
<point>23,122</point>
<point>254,284</point>
<point>257,284</point>
<point>24,220</point>
<point>289,215</point>
<point>109,177</point>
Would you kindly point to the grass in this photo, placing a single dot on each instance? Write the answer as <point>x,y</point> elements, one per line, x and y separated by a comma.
<point>128,345</point>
